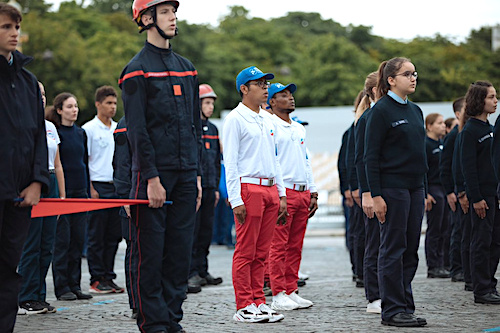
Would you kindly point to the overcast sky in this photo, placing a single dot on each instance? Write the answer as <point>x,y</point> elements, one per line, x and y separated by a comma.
<point>402,20</point>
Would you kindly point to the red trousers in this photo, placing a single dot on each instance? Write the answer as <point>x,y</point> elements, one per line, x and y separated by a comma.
<point>286,246</point>
<point>253,239</point>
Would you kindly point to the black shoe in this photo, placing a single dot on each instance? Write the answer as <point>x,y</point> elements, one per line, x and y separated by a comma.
<point>213,281</point>
<point>116,288</point>
<point>197,280</point>
<point>301,282</point>
<point>194,285</point>
<point>487,299</point>
<point>134,314</point>
<point>458,277</point>
<point>468,287</point>
<point>354,276</point>
<point>50,308</point>
<point>360,283</point>
<point>437,273</point>
<point>402,319</point>
<point>33,307</point>
<point>80,295</point>
<point>69,296</point>
<point>267,288</point>
<point>421,321</point>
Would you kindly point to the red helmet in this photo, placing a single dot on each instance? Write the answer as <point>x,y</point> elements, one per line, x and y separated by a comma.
<point>139,6</point>
<point>207,91</point>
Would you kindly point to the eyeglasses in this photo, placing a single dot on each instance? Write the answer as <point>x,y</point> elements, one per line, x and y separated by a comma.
<point>408,74</point>
<point>262,84</point>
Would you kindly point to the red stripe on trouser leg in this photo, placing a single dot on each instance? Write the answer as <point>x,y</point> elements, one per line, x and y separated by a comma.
<point>253,239</point>
<point>286,246</point>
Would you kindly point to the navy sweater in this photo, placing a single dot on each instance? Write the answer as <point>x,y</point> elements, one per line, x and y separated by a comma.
<point>456,166</point>
<point>433,151</point>
<point>341,164</point>
<point>445,163</point>
<point>359,133</point>
<point>351,167</point>
<point>74,157</point>
<point>477,167</point>
<point>495,148</point>
<point>395,146</point>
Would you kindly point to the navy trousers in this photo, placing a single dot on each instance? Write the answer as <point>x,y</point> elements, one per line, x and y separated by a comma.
<point>164,242</point>
<point>455,240</point>
<point>14,227</point>
<point>436,229</point>
<point>203,233</point>
<point>350,228</point>
<point>358,224</point>
<point>129,234</point>
<point>466,222</point>
<point>370,263</point>
<point>68,247</point>
<point>223,224</point>
<point>104,234</point>
<point>38,251</point>
<point>399,241</point>
<point>485,247</point>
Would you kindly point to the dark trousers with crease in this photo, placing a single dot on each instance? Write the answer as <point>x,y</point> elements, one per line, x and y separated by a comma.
<point>485,247</point>
<point>455,240</point>
<point>358,224</point>
<point>164,242</point>
<point>203,233</point>
<point>437,226</point>
<point>350,237</point>
<point>466,222</point>
<point>129,234</point>
<point>370,263</point>
<point>14,227</point>
<point>104,234</point>
<point>399,241</point>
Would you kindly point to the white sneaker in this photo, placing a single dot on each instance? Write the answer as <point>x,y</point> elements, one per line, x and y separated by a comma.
<point>374,307</point>
<point>282,302</point>
<point>250,314</point>
<point>21,311</point>
<point>303,276</point>
<point>273,315</point>
<point>303,303</point>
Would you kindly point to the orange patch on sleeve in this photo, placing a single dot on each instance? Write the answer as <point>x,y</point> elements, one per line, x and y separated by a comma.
<point>207,145</point>
<point>177,90</point>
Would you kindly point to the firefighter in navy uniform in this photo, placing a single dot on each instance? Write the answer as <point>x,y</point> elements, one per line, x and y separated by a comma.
<point>210,160</point>
<point>162,107</point>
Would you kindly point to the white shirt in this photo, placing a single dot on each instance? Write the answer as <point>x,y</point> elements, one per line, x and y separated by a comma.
<point>292,153</point>
<point>53,142</point>
<point>249,148</point>
<point>101,147</point>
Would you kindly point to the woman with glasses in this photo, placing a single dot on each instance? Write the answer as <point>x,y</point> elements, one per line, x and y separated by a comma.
<point>481,187</point>
<point>395,169</point>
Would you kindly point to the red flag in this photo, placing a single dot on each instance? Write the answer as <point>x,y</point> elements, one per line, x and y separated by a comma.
<point>53,206</point>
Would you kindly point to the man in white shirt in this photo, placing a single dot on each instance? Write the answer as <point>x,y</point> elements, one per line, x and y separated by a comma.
<point>104,226</point>
<point>255,192</point>
<point>286,245</point>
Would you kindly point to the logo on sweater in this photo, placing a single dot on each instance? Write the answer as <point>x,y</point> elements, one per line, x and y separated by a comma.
<point>272,133</point>
<point>301,141</point>
<point>399,122</point>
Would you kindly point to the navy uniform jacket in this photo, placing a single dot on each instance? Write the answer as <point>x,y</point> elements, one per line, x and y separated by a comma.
<point>24,144</point>
<point>122,162</point>
<point>341,164</point>
<point>210,155</point>
<point>162,106</point>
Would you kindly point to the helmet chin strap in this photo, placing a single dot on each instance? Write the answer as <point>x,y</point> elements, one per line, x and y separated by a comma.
<point>160,31</point>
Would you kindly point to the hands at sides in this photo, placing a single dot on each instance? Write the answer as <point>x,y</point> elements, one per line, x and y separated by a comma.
<point>348,198</point>
<point>380,208</point>
<point>464,203</point>
<point>156,193</point>
<point>241,213</point>
<point>429,201</point>
<point>31,195</point>
<point>356,197</point>
<point>313,205</point>
<point>282,212</point>
<point>480,208</point>
<point>368,205</point>
<point>452,201</point>
<point>200,192</point>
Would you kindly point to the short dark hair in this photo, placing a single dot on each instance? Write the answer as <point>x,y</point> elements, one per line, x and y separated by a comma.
<point>10,11</point>
<point>102,92</point>
<point>51,113</point>
<point>458,104</point>
<point>474,99</point>
<point>449,122</point>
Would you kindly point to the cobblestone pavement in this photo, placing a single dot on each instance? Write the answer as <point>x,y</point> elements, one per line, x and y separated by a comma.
<point>338,305</point>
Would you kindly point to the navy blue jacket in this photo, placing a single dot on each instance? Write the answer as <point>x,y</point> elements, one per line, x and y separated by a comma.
<point>24,144</point>
<point>122,162</point>
<point>456,165</point>
<point>433,152</point>
<point>341,164</point>
<point>162,106</point>
<point>477,167</point>
<point>446,160</point>
<point>210,155</point>
<point>359,134</point>
<point>350,159</point>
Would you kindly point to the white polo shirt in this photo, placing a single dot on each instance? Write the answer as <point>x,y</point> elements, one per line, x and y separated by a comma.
<point>249,149</point>
<point>101,147</point>
<point>293,154</point>
<point>53,142</point>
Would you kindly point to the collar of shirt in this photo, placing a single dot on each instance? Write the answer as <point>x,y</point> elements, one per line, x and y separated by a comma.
<point>397,98</point>
<point>11,60</point>
<point>249,114</point>
<point>282,122</point>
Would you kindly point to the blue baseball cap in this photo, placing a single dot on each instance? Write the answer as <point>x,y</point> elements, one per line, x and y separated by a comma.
<point>277,87</point>
<point>302,122</point>
<point>249,74</point>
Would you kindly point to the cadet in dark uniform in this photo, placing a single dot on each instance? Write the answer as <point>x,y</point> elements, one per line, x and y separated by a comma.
<point>395,170</point>
<point>162,106</point>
